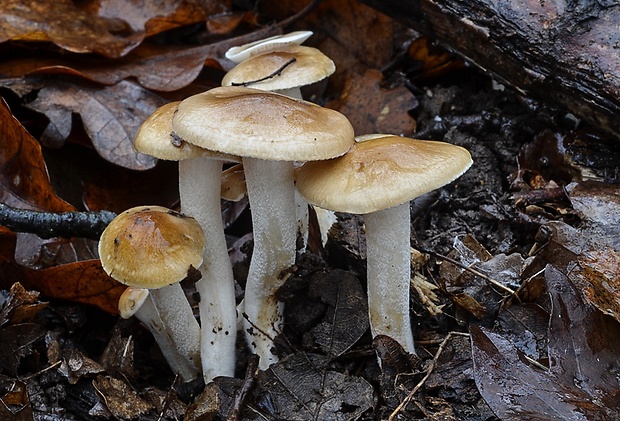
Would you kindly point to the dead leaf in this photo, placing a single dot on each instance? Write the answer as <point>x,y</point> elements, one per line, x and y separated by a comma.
<point>15,404</point>
<point>82,282</point>
<point>346,319</point>
<point>372,108</point>
<point>599,206</point>
<point>583,358</point>
<point>431,60</point>
<point>111,116</point>
<point>16,342</point>
<point>151,17</point>
<point>119,398</point>
<point>158,67</point>
<point>24,182</point>
<point>301,387</point>
<point>76,365</point>
<point>66,25</point>
<point>22,306</point>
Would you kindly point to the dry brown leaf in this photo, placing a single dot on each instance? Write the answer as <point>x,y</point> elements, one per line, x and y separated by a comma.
<point>156,67</point>
<point>111,115</point>
<point>119,398</point>
<point>152,16</point>
<point>24,182</point>
<point>66,25</point>
<point>82,282</point>
<point>374,109</point>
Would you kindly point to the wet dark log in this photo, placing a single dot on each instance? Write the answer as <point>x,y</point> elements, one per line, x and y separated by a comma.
<point>564,52</point>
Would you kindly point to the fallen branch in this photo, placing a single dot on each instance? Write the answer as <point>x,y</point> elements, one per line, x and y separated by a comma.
<point>48,225</point>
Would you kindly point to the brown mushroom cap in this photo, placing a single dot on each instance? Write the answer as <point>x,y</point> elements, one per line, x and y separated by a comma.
<point>155,138</point>
<point>254,123</point>
<point>381,172</point>
<point>290,67</point>
<point>151,247</point>
<point>131,301</point>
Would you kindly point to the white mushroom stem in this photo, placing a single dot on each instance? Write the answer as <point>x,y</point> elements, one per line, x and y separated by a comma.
<point>389,273</point>
<point>271,194</point>
<point>176,314</point>
<point>148,316</point>
<point>199,187</point>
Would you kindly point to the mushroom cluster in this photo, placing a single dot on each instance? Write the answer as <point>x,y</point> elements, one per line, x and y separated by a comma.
<point>259,118</point>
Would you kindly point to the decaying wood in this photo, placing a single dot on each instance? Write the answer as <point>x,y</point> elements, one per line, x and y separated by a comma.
<point>564,52</point>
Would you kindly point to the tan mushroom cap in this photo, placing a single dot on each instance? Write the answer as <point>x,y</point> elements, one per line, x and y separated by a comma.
<point>155,138</point>
<point>151,247</point>
<point>259,124</point>
<point>290,67</point>
<point>131,301</point>
<point>380,173</point>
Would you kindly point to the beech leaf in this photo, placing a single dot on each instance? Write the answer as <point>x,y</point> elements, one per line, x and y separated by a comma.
<point>581,382</point>
<point>66,25</point>
<point>111,116</point>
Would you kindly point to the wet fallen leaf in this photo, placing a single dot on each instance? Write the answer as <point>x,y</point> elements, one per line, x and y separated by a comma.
<point>372,108</point>
<point>151,17</point>
<point>22,306</point>
<point>16,342</point>
<point>157,67</point>
<point>301,387</point>
<point>15,404</point>
<point>599,206</point>
<point>431,60</point>
<point>346,319</point>
<point>24,182</point>
<point>82,282</point>
<point>111,116</point>
<point>66,25</point>
<point>583,358</point>
<point>76,365</point>
<point>119,398</point>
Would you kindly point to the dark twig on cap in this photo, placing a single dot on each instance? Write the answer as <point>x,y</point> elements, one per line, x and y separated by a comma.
<point>272,75</point>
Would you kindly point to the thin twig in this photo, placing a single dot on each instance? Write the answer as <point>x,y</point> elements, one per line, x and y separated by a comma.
<point>250,377</point>
<point>429,370</point>
<point>474,271</point>
<point>269,76</point>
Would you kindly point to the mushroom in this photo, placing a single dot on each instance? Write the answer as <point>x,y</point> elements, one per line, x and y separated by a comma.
<point>377,178</point>
<point>269,131</point>
<point>200,173</point>
<point>243,52</point>
<point>155,248</point>
<point>137,302</point>
<point>284,68</point>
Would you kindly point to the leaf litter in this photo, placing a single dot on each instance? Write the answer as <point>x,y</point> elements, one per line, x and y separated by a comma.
<point>329,365</point>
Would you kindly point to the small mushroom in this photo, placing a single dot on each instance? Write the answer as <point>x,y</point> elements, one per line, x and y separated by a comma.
<point>378,177</point>
<point>200,172</point>
<point>155,248</point>
<point>243,52</point>
<point>269,131</point>
<point>137,302</point>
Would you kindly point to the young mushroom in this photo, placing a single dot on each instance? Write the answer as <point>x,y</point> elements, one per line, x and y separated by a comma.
<point>378,177</point>
<point>269,131</point>
<point>155,248</point>
<point>244,52</point>
<point>137,302</point>
<point>200,173</point>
